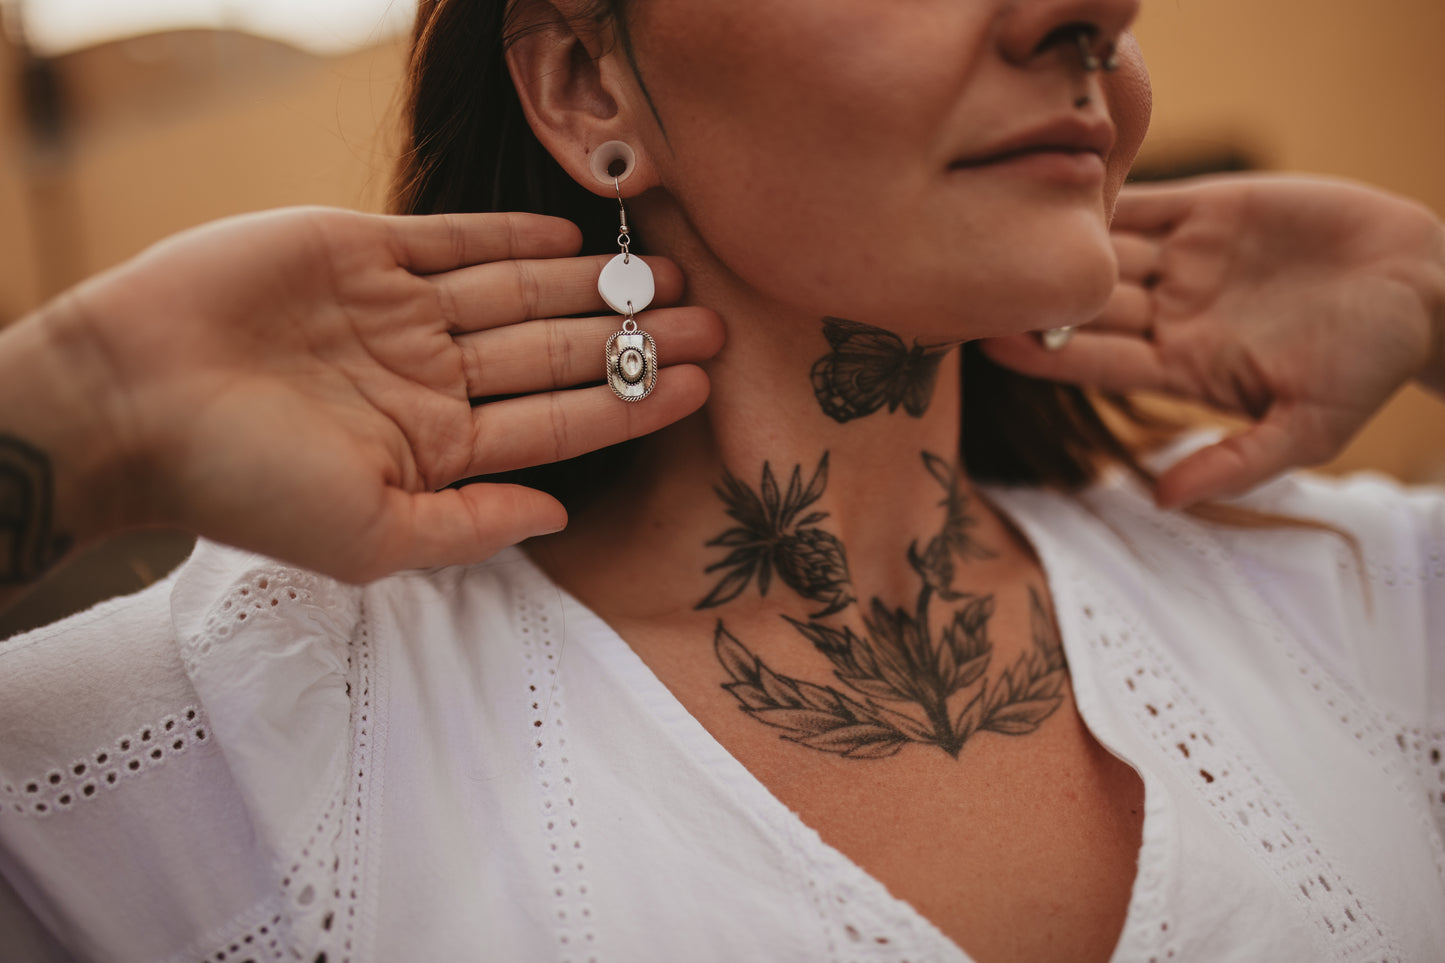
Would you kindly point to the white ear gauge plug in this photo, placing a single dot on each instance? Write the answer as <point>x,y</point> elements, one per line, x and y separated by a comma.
<point>612,162</point>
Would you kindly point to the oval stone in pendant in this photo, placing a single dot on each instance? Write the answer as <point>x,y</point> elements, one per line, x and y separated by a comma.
<point>626,278</point>
<point>632,366</point>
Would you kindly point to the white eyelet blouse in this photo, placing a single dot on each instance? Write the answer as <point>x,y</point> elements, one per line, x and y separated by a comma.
<point>250,762</point>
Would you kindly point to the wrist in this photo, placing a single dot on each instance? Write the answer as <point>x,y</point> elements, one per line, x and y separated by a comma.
<point>1432,376</point>
<point>65,417</point>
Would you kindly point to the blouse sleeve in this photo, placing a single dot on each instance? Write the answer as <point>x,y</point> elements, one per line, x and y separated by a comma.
<point>158,752</point>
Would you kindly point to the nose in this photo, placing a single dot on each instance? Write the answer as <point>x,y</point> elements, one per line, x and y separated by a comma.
<point>1091,28</point>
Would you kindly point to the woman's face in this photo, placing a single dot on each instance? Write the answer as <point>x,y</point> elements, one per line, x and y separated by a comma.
<point>856,157</point>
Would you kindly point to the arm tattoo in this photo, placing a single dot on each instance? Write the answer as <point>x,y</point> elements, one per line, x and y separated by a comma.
<point>901,682</point>
<point>770,536</point>
<point>869,368</point>
<point>28,545</point>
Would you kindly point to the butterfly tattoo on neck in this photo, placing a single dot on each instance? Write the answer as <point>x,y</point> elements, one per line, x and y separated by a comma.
<point>870,367</point>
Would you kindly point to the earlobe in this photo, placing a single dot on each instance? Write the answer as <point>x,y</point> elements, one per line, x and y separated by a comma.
<point>571,94</point>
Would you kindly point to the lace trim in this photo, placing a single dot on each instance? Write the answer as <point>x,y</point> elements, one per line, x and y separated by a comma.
<point>1147,923</point>
<point>1425,751</point>
<point>1208,755</point>
<point>1375,729</point>
<point>365,739</point>
<point>861,920</point>
<point>1391,576</point>
<point>256,936</point>
<point>106,768</point>
<point>313,915</point>
<point>263,593</point>
<point>572,911</point>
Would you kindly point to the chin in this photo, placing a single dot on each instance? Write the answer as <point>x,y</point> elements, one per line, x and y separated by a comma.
<point>1062,294</point>
<point>1061,281</point>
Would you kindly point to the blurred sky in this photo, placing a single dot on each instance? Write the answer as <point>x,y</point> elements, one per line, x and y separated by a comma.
<point>327,26</point>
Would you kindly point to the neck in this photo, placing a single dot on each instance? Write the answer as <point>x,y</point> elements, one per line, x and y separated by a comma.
<point>824,470</point>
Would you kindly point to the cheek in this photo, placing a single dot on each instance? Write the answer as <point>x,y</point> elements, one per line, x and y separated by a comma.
<point>1131,101</point>
<point>777,151</point>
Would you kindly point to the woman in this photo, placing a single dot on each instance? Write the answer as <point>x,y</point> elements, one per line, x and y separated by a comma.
<point>867,706</point>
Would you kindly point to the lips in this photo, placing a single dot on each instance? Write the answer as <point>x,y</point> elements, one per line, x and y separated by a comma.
<point>1068,135</point>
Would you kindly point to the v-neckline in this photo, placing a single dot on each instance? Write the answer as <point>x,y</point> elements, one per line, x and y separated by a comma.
<point>586,627</point>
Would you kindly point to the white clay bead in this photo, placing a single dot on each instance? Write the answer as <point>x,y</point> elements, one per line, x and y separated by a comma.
<point>626,278</point>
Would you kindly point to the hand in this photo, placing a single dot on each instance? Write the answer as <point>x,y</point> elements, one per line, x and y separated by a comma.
<point>298,382</point>
<point>1300,303</point>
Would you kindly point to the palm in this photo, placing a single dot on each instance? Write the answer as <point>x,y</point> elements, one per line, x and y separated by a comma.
<point>1286,300</point>
<point>308,388</point>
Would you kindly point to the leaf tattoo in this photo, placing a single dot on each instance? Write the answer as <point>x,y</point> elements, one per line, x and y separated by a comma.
<point>937,688</point>
<point>870,367</point>
<point>771,537</point>
<point>955,541</point>
<point>816,716</point>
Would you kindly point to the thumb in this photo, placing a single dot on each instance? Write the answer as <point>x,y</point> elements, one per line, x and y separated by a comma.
<point>461,526</point>
<point>1285,438</point>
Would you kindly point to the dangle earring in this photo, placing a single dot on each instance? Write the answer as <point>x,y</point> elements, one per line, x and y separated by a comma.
<point>627,286</point>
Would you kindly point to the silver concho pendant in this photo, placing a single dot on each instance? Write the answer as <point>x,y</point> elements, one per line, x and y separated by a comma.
<point>627,287</point>
<point>631,364</point>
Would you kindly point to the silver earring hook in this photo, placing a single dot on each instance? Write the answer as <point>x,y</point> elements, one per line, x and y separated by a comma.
<point>623,240</point>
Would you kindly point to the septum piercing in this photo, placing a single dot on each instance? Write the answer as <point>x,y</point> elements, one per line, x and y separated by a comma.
<point>1091,60</point>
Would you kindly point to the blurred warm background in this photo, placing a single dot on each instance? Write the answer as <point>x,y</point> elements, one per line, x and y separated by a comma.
<point>121,123</point>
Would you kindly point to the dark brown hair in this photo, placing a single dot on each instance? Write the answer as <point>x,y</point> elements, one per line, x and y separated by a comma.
<point>468,148</point>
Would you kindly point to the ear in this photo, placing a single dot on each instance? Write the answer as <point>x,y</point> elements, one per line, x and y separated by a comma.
<point>576,90</point>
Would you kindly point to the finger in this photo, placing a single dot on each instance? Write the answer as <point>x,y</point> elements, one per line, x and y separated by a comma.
<point>505,292</point>
<point>1151,208</point>
<point>537,429</point>
<point>1131,308</point>
<point>428,243</point>
<point>456,527</point>
<point>1141,258</point>
<point>1285,438</point>
<point>561,353</point>
<point>1105,361</point>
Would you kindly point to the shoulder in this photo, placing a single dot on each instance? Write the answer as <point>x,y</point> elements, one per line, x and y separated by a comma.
<point>176,741</point>
<point>1352,570</point>
<point>86,682</point>
<point>1367,587</point>
<point>72,691</point>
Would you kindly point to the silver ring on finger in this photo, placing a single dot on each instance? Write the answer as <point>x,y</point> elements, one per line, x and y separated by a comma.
<point>1054,339</point>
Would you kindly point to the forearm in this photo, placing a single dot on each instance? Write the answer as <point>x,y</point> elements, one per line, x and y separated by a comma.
<point>62,473</point>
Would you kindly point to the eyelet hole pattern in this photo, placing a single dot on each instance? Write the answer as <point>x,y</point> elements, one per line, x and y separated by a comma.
<point>108,767</point>
<point>573,915</point>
